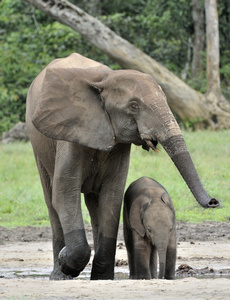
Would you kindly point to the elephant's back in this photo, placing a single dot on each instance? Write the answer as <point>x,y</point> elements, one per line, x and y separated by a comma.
<point>142,186</point>
<point>75,60</point>
<point>143,183</point>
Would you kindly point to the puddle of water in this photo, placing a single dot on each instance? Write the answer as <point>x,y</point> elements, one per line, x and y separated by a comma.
<point>121,273</point>
<point>36,273</point>
<point>44,273</point>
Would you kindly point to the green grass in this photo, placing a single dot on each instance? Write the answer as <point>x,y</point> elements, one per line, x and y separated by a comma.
<point>210,152</point>
<point>21,198</point>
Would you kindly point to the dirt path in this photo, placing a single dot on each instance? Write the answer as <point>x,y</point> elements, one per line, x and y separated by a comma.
<point>203,251</point>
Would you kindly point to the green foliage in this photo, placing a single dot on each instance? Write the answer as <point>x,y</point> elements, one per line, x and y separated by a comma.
<point>191,124</point>
<point>29,40</point>
<point>22,202</point>
<point>8,103</point>
<point>225,72</point>
<point>148,28</point>
<point>224,29</point>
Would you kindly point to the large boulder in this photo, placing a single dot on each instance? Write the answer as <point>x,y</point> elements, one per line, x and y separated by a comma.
<point>16,133</point>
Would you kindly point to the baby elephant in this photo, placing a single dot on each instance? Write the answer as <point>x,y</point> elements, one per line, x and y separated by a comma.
<point>149,228</point>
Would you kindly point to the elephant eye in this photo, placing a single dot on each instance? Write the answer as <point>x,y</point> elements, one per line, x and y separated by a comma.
<point>149,229</point>
<point>134,106</point>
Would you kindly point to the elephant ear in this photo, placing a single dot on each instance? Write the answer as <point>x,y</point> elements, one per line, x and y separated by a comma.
<point>166,199</point>
<point>70,108</point>
<point>135,217</point>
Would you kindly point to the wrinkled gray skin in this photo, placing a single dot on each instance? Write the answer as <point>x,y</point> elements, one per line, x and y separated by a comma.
<point>149,229</point>
<point>82,118</point>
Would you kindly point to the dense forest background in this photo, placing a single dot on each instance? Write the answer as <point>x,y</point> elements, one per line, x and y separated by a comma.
<point>163,29</point>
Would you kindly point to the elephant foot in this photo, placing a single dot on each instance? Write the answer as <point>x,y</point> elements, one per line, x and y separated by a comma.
<point>103,263</point>
<point>57,274</point>
<point>170,276</point>
<point>102,273</point>
<point>73,264</point>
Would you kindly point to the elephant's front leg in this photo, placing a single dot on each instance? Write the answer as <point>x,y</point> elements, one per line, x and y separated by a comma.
<point>67,202</point>
<point>171,257</point>
<point>108,221</point>
<point>141,257</point>
<point>109,208</point>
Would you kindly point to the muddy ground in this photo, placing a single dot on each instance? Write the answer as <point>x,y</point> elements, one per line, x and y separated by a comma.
<point>203,268</point>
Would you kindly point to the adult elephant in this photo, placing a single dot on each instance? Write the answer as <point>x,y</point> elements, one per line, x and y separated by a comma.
<point>82,118</point>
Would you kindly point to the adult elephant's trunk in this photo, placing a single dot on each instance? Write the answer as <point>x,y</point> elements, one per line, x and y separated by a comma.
<point>176,148</point>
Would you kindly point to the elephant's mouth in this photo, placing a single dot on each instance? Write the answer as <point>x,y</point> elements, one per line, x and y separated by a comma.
<point>150,144</point>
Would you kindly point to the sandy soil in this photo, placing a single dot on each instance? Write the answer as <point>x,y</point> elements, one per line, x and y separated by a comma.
<point>203,268</point>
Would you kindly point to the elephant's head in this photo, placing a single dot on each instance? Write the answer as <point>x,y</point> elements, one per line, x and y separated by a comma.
<point>98,108</point>
<point>152,214</point>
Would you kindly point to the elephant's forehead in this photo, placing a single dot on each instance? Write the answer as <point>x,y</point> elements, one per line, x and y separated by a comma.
<point>137,84</point>
<point>149,87</point>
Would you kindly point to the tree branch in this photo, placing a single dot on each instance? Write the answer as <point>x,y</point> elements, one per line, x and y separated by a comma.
<point>185,101</point>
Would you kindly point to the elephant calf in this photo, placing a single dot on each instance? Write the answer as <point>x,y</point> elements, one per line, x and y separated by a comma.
<point>149,228</point>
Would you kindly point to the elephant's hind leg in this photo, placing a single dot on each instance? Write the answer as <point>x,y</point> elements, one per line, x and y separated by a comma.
<point>57,233</point>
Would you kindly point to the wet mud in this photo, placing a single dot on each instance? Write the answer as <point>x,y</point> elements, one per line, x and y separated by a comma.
<point>203,255</point>
<point>186,232</point>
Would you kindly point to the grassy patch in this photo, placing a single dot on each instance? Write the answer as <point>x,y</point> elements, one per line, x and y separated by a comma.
<point>21,198</point>
<point>210,152</point>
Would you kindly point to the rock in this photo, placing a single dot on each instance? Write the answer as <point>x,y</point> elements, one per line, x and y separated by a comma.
<point>16,133</point>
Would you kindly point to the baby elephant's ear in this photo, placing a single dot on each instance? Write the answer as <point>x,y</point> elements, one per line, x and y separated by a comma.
<point>166,199</point>
<point>69,109</point>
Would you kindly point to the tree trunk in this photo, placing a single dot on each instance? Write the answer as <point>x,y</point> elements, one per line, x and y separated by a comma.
<point>198,43</point>
<point>214,95</point>
<point>213,55</point>
<point>187,103</point>
<point>185,71</point>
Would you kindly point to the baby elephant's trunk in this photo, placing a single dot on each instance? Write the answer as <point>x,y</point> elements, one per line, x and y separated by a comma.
<point>162,260</point>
